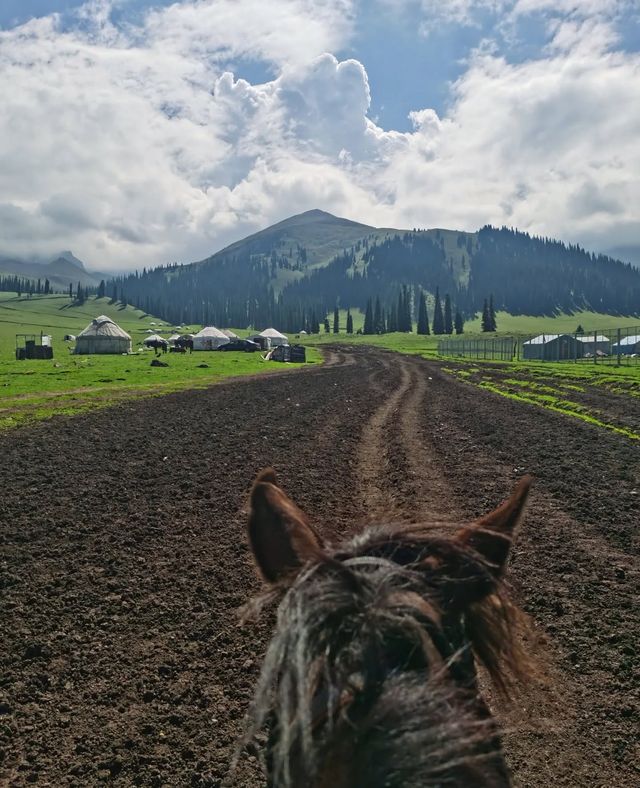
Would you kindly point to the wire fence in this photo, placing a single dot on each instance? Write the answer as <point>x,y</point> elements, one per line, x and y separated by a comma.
<point>489,349</point>
<point>614,346</point>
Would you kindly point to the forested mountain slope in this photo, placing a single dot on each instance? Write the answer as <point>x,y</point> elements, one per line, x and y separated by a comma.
<point>304,266</point>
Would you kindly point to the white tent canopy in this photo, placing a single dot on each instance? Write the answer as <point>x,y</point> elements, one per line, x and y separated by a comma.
<point>210,338</point>
<point>275,337</point>
<point>154,338</point>
<point>228,333</point>
<point>102,335</point>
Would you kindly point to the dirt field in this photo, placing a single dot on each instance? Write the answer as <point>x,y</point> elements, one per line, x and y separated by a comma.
<point>125,563</point>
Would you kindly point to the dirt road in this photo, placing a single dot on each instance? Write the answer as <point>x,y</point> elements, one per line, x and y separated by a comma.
<point>125,564</point>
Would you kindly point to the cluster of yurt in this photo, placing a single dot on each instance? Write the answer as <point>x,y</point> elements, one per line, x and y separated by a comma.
<point>102,335</point>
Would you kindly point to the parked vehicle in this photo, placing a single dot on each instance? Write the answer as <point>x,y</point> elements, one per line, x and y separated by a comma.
<point>245,345</point>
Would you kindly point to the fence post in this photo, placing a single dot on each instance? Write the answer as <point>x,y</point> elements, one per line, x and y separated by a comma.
<point>595,347</point>
<point>619,348</point>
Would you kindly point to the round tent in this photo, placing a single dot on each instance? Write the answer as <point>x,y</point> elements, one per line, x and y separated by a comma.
<point>153,338</point>
<point>228,333</point>
<point>275,337</point>
<point>210,338</point>
<point>102,335</point>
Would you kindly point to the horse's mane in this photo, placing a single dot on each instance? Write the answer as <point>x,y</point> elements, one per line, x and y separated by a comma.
<point>366,642</point>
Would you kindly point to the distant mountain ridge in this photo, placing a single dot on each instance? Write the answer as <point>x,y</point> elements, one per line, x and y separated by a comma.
<point>61,271</point>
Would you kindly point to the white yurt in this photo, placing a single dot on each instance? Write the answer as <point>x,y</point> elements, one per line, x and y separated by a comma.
<point>210,338</point>
<point>172,339</point>
<point>228,333</point>
<point>275,337</point>
<point>102,335</point>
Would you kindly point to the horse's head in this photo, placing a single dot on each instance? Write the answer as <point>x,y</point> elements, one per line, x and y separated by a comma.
<point>370,678</point>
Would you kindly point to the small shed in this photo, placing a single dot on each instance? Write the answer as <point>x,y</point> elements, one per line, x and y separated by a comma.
<point>629,346</point>
<point>210,338</point>
<point>595,344</point>
<point>274,337</point>
<point>102,335</point>
<point>552,347</point>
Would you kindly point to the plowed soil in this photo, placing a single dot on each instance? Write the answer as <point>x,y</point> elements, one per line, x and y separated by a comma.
<point>125,563</point>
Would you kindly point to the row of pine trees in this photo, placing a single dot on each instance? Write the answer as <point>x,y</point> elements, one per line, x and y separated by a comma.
<point>398,317</point>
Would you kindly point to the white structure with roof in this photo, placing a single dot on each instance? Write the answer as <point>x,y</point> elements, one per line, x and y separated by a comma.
<point>210,338</point>
<point>228,333</point>
<point>552,347</point>
<point>627,346</point>
<point>595,343</point>
<point>275,337</point>
<point>102,335</point>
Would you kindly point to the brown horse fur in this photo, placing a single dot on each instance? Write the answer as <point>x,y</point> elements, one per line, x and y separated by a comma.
<point>370,678</point>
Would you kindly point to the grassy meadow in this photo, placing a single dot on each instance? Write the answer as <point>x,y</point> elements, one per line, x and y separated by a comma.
<point>34,390</point>
<point>69,384</point>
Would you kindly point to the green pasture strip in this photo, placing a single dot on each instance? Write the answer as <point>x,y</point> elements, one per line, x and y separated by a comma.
<point>35,390</point>
<point>533,393</point>
<point>564,407</point>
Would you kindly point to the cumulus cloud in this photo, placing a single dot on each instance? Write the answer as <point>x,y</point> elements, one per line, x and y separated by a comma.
<point>137,146</point>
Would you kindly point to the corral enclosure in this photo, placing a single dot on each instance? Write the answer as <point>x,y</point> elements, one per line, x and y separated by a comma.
<point>618,346</point>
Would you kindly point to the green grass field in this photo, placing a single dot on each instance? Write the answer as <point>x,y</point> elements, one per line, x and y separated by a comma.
<point>563,387</point>
<point>529,324</point>
<point>34,390</point>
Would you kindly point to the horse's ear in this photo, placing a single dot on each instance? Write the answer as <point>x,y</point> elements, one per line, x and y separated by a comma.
<point>281,537</point>
<point>492,535</point>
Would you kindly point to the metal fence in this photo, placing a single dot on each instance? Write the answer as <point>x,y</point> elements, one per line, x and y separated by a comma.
<point>615,346</point>
<point>489,349</point>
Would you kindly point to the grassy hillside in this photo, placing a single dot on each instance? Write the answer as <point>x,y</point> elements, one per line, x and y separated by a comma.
<point>57,315</point>
<point>69,384</point>
<point>528,324</point>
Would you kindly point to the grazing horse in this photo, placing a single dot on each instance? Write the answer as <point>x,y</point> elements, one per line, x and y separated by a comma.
<point>370,678</point>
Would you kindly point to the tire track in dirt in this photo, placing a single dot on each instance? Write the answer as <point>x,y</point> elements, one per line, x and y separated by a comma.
<point>398,472</point>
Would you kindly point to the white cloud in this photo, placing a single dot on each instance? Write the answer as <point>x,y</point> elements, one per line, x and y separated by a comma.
<point>134,146</point>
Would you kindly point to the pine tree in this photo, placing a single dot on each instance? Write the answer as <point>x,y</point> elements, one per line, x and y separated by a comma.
<point>492,315</point>
<point>47,287</point>
<point>399,311</point>
<point>336,321</point>
<point>392,320</point>
<point>368,319</point>
<point>486,317</point>
<point>448,322</point>
<point>101,289</point>
<point>579,330</point>
<point>377,317</point>
<point>459,323</point>
<point>70,290</point>
<point>327,327</point>
<point>423,318</point>
<point>438,319</point>
<point>349,322</point>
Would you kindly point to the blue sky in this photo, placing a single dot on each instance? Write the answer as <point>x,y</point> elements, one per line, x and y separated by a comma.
<point>217,118</point>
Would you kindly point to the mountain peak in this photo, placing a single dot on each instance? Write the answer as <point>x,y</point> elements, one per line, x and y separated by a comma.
<point>70,258</point>
<point>316,216</point>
